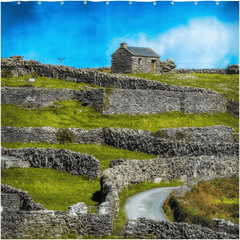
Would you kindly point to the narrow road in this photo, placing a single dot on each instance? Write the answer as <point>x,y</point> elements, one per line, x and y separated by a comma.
<point>148,204</point>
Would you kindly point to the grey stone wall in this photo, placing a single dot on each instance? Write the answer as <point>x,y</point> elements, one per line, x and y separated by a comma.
<point>118,177</point>
<point>136,101</point>
<point>48,134</point>
<point>209,71</point>
<point>136,140</point>
<point>233,107</point>
<point>14,199</point>
<point>215,140</point>
<point>52,224</point>
<point>145,228</point>
<point>121,61</point>
<point>213,134</point>
<point>59,159</point>
<point>41,97</point>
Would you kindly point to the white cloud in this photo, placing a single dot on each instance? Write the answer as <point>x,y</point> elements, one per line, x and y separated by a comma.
<point>202,43</point>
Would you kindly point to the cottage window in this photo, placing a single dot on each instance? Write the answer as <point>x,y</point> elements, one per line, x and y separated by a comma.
<point>139,60</point>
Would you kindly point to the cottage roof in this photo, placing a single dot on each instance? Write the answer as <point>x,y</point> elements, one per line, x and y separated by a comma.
<point>141,51</point>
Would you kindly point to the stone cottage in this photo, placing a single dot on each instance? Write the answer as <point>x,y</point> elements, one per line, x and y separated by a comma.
<point>135,60</point>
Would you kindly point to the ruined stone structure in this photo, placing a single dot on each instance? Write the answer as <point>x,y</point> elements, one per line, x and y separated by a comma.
<point>135,60</point>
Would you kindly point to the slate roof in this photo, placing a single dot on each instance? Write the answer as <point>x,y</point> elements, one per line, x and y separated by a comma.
<point>141,51</point>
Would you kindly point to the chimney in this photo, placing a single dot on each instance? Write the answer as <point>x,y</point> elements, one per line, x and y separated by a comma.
<point>123,45</point>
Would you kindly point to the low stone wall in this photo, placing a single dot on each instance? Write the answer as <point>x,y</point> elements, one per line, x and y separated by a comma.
<point>59,159</point>
<point>145,228</point>
<point>233,107</point>
<point>176,201</point>
<point>52,224</point>
<point>137,101</point>
<point>142,141</point>
<point>33,97</point>
<point>215,140</point>
<point>123,174</point>
<point>14,199</point>
<point>213,134</point>
<point>48,134</point>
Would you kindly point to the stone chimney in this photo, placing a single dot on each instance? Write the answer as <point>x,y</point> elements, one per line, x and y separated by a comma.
<point>123,45</point>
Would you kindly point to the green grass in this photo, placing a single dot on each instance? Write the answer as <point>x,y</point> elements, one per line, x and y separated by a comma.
<point>225,84</point>
<point>44,82</point>
<point>55,190</point>
<point>227,200</point>
<point>71,113</point>
<point>102,153</point>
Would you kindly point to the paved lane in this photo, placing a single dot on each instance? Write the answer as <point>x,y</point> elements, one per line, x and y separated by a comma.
<point>148,204</point>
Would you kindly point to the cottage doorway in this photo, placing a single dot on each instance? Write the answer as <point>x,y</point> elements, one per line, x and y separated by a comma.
<point>153,64</point>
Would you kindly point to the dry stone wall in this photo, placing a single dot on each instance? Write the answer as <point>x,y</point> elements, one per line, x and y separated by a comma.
<point>215,140</point>
<point>14,199</point>
<point>59,159</point>
<point>136,101</point>
<point>123,174</point>
<point>52,224</point>
<point>33,97</point>
<point>145,228</point>
<point>48,134</point>
<point>136,140</point>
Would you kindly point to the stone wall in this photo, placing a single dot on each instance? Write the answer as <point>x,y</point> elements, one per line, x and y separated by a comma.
<point>123,174</point>
<point>52,224</point>
<point>213,134</point>
<point>208,71</point>
<point>143,141</point>
<point>145,228</point>
<point>14,199</point>
<point>48,134</point>
<point>59,159</point>
<point>233,107</point>
<point>42,97</point>
<point>215,140</point>
<point>136,101</point>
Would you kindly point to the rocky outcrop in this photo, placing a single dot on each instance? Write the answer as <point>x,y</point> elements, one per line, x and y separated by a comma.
<point>232,69</point>
<point>167,66</point>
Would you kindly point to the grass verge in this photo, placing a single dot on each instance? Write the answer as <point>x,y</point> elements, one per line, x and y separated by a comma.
<point>55,190</point>
<point>71,113</point>
<point>225,84</point>
<point>102,153</point>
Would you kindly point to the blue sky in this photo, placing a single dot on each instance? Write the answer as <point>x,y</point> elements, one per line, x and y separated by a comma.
<point>205,35</point>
